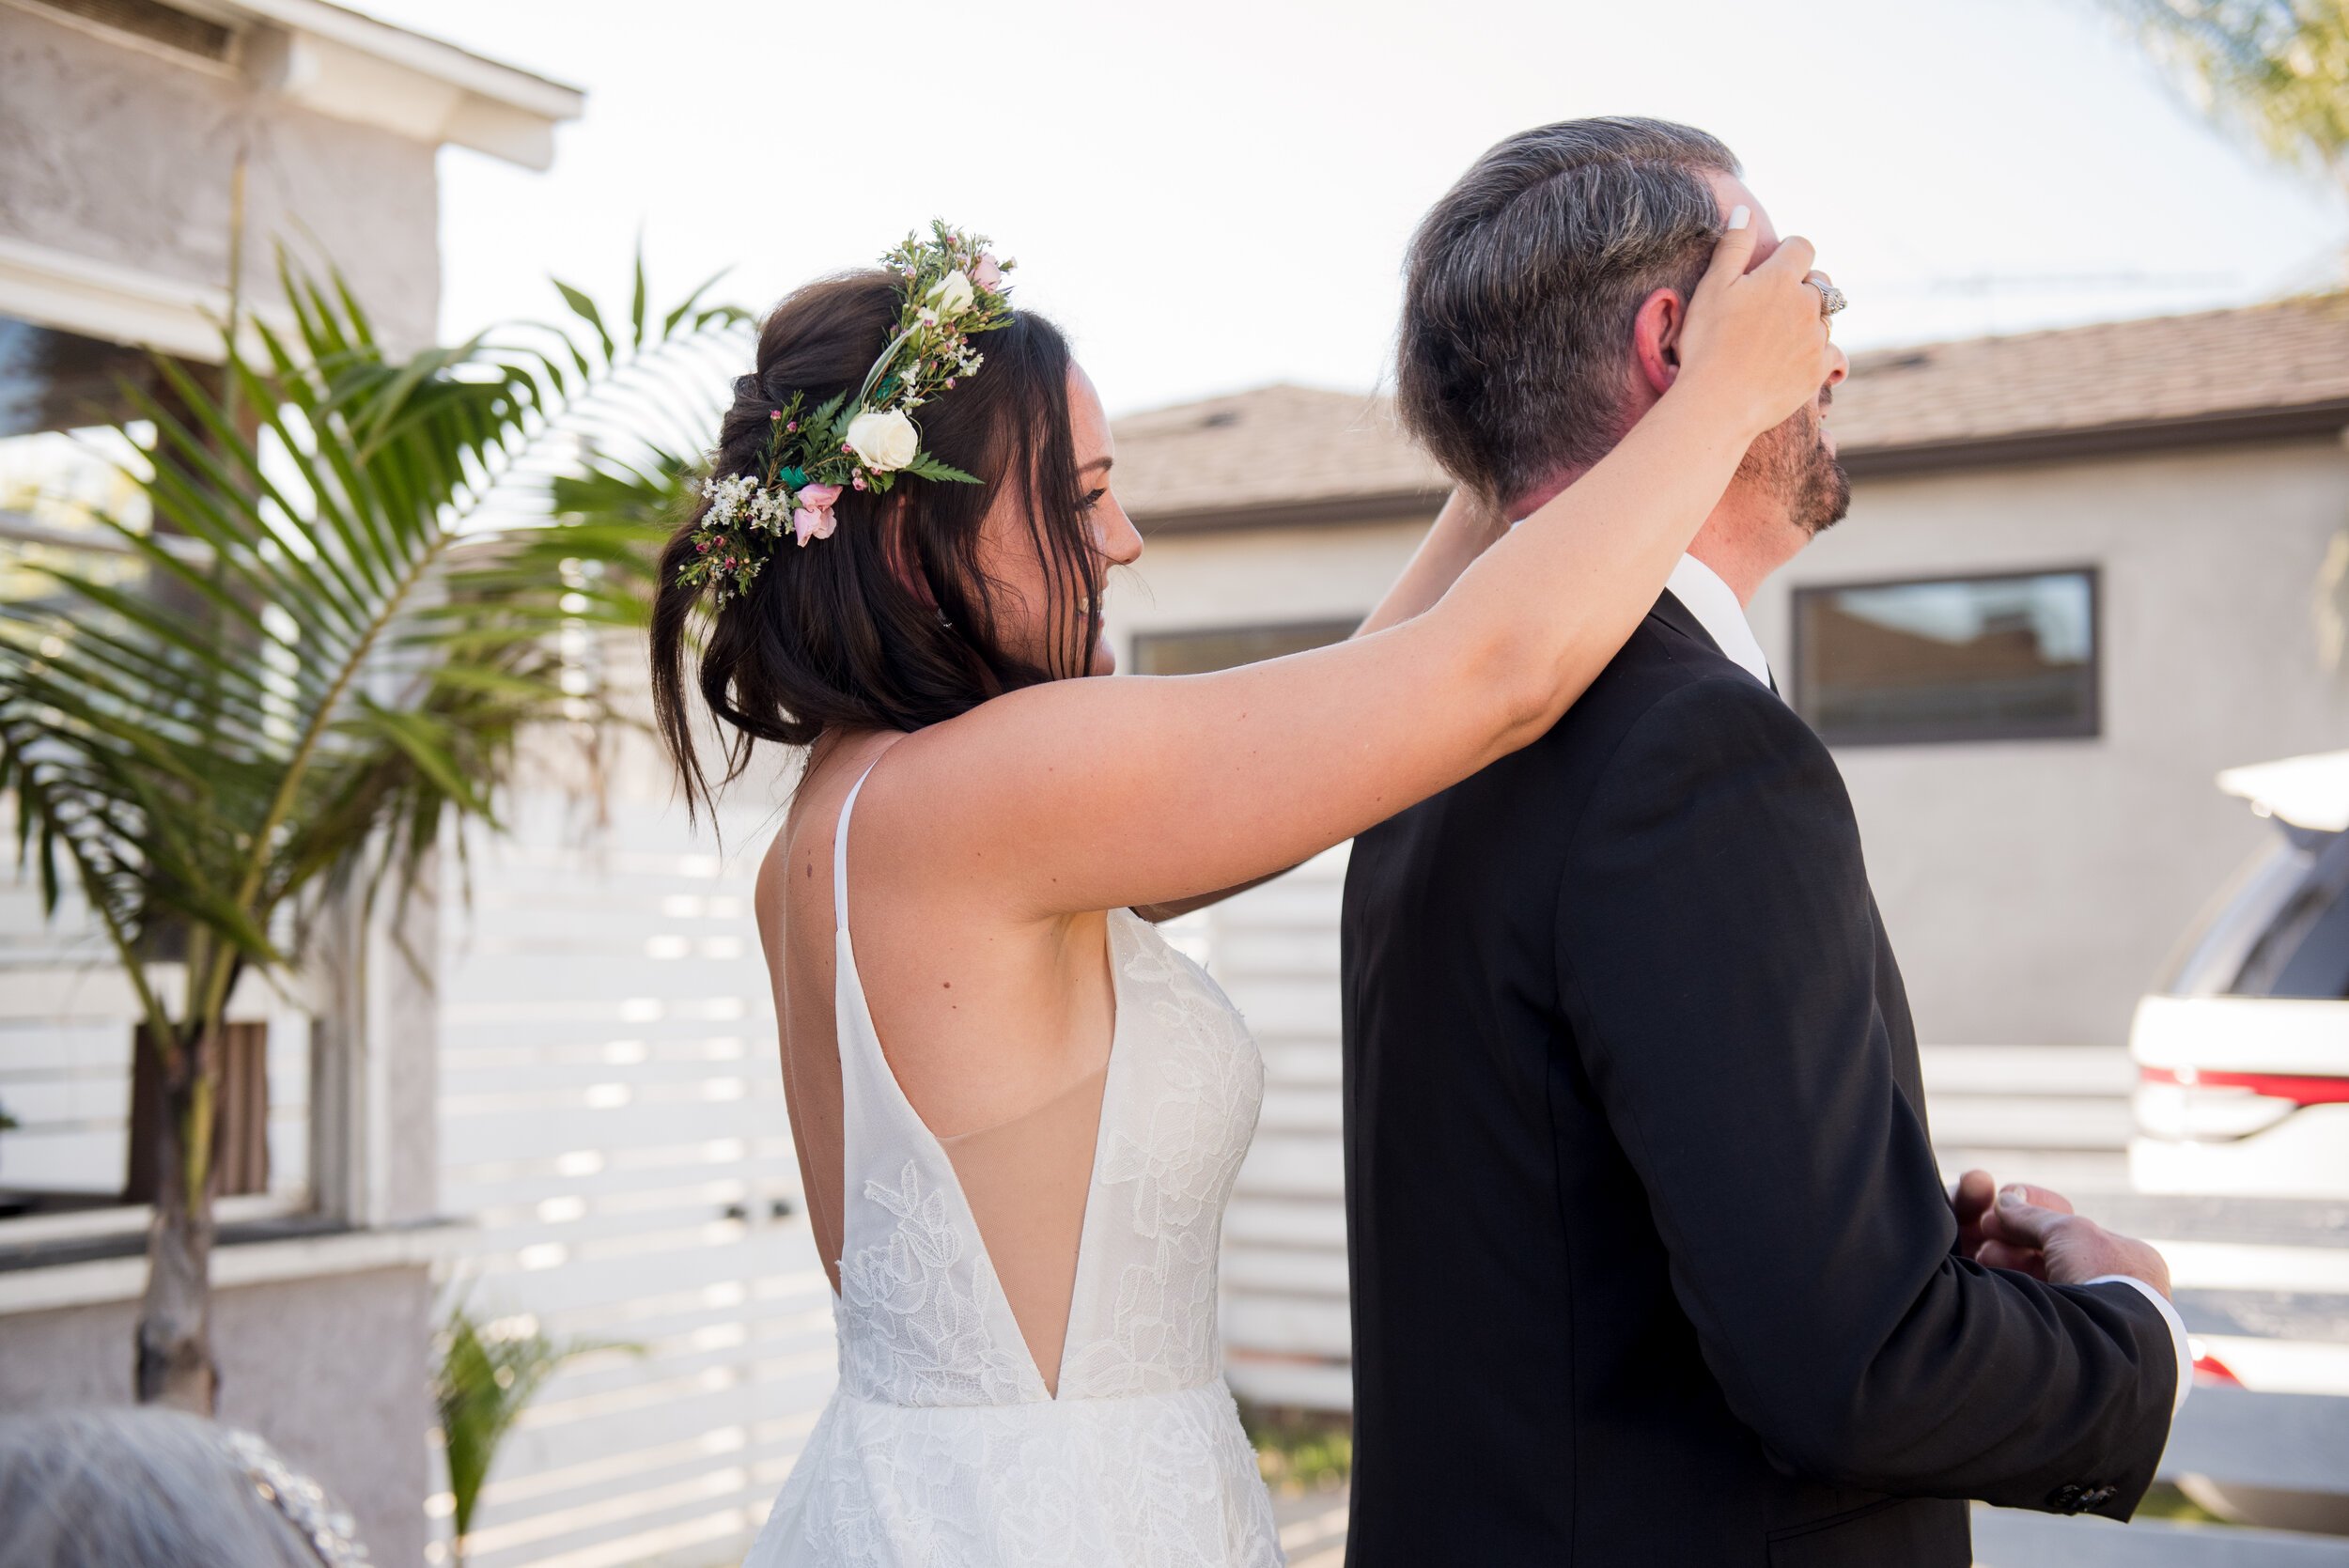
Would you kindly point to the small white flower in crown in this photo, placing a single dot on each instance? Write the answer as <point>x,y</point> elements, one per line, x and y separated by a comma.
<point>954,289</point>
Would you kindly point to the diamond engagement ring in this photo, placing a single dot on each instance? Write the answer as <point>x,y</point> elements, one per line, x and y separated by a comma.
<point>1830,298</point>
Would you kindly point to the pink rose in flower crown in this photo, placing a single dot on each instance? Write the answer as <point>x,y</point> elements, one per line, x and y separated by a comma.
<point>987,274</point>
<point>814,518</point>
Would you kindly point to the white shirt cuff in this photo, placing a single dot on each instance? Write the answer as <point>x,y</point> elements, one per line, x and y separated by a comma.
<point>2177,1330</point>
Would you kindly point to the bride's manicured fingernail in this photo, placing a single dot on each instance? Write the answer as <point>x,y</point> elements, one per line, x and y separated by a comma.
<point>1739,216</point>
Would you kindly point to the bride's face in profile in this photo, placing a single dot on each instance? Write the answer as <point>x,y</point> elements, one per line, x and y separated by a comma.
<point>1036,621</point>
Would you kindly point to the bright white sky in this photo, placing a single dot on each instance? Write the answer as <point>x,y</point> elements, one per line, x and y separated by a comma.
<point>1214,195</point>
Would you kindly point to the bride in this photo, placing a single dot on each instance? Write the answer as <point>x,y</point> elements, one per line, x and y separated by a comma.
<point>1017,1112</point>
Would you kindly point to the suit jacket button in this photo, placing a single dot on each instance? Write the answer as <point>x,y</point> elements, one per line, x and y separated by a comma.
<point>2068,1498</point>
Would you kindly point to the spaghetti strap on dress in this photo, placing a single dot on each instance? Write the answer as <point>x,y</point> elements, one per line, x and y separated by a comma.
<point>942,1447</point>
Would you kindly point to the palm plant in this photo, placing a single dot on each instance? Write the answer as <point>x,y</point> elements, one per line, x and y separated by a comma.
<point>359,595</point>
<point>487,1376</point>
<point>2276,69</point>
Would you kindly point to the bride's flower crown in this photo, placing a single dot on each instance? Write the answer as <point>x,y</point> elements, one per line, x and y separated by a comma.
<point>951,290</point>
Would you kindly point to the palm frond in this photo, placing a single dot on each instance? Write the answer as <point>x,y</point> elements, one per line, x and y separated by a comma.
<point>2276,70</point>
<point>361,580</point>
<point>487,1378</point>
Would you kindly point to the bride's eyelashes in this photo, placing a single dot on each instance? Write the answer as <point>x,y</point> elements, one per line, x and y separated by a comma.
<point>1091,499</point>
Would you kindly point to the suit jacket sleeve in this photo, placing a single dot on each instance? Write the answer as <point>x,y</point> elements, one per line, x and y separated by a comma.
<point>1717,947</point>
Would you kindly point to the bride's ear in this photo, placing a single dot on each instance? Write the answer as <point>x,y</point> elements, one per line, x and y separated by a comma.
<point>1655,338</point>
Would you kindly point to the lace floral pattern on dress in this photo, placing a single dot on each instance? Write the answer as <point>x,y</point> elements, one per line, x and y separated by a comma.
<point>917,1323</point>
<point>1163,1175</point>
<point>1164,1481</point>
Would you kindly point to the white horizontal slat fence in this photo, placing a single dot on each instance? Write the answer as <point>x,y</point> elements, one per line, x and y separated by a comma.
<point>1287,1338</point>
<point>612,1119</point>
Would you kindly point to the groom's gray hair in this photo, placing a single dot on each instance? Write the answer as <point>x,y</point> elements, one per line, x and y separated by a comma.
<point>1522,284</point>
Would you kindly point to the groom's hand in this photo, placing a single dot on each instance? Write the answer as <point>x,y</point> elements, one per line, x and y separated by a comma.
<point>2011,1247</point>
<point>2033,1230</point>
<point>1973,1199</point>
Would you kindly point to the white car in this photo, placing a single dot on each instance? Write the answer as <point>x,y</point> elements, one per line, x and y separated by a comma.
<point>2243,1057</point>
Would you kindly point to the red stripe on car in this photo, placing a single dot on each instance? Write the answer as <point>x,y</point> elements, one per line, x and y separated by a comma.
<point>2300,1088</point>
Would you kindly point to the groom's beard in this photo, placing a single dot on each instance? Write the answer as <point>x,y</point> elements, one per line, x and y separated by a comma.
<point>1791,466</point>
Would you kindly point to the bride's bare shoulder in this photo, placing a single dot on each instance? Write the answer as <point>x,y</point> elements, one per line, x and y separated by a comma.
<point>794,881</point>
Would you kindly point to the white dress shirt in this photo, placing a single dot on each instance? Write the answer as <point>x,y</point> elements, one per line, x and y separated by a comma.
<point>2178,1345</point>
<point>1714,603</point>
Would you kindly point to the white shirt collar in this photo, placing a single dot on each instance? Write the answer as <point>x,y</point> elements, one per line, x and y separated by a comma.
<point>1714,603</point>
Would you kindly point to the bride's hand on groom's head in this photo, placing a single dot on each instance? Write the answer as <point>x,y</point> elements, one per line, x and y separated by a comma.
<point>2034,1231</point>
<point>1756,336</point>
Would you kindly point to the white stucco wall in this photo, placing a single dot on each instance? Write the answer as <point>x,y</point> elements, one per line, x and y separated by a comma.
<point>122,155</point>
<point>2032,888</point>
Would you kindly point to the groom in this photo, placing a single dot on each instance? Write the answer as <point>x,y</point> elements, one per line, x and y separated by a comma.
<point>1651,1260</point>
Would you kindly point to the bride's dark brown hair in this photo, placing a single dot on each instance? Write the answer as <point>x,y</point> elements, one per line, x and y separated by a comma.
<point>891,623</point>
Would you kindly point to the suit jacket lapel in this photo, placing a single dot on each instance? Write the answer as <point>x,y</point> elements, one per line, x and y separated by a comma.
<point>1677,615</point>
<point>1672,613</point>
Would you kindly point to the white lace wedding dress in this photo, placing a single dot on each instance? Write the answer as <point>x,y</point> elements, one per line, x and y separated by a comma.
<point>941,1447</point>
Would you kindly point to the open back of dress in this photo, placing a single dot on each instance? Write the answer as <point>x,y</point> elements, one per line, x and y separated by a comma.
<point>943,1444</point>
<point>1026,1182</point>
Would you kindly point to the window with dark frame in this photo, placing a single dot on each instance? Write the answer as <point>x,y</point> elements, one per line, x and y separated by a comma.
<point>64,411</point>
<point>1197,652</point>
<point>2009,656</point>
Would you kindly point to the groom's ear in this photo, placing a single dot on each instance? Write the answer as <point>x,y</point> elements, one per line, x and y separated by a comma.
<point>1655,340</point>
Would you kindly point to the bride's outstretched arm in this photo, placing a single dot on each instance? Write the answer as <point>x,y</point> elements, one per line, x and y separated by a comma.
<point>1083,795</point>
<point>1463,530</point>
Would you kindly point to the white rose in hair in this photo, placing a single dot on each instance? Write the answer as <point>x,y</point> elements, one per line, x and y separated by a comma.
<point>952,295</point>
<point>884,441</point>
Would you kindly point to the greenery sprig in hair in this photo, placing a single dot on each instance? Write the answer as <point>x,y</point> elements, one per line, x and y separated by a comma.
<point>952,290</point>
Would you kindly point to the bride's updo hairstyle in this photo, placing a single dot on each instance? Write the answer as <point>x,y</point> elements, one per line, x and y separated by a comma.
<point>891,623</point>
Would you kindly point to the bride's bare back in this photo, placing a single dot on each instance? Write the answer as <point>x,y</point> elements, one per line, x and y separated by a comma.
<point>1003,1053</point>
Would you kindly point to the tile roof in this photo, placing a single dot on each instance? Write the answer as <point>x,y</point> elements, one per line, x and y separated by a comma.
<point>1301,454</point>
<point>1276,448</point>
<point>2158,370</point>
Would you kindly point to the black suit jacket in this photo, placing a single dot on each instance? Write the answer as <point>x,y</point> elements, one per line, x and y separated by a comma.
<point>1651,1260</point>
